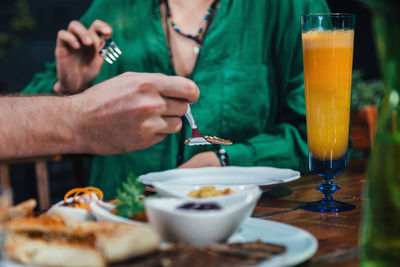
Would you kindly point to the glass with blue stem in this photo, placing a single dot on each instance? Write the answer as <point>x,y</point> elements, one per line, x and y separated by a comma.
<point>328,58</point>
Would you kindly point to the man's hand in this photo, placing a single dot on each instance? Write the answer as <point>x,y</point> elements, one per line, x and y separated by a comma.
<point>131,112</point>
<point>78,60</point>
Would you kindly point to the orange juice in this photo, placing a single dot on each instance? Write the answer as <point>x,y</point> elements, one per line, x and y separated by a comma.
<point>328,60</point>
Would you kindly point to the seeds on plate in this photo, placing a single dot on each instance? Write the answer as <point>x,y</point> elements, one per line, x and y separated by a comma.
<point>218,141</point>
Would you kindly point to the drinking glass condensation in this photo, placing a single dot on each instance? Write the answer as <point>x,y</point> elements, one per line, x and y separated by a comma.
<point>328,58</point>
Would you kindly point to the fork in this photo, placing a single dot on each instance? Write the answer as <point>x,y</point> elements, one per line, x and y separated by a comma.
<point>110,51</point>
<point>196,138</point>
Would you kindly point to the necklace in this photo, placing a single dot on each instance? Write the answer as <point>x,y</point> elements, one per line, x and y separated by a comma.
<point>203,27</point>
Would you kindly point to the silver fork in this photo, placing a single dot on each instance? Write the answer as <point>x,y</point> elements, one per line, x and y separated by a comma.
<point>196,138</point>
<point>110,51</point>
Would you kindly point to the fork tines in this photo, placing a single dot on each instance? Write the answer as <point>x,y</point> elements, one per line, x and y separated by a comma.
<point>110,51</point>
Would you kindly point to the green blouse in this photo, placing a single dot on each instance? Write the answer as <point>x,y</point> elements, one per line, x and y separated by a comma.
<point>249,72</point>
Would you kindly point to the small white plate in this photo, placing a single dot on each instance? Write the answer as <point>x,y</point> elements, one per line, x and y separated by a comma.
<point>102,212</point>
<point>228,176</point>
<point>72,213</point>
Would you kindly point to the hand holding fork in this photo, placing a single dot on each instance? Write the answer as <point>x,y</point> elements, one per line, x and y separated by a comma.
<point>80,53</point>
<point>197,139</point>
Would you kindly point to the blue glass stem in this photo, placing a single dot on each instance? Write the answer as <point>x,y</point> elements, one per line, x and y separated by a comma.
<point>327,188</point>
<point>328,169</point>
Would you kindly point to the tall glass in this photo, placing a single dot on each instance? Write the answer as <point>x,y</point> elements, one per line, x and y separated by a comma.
<point>328,60</point>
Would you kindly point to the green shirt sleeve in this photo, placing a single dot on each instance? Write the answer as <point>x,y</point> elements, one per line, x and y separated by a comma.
<point>284,144</point>
<point>43,82</point>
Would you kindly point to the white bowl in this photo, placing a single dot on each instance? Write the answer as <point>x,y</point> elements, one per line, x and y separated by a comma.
<point>182,191</point>
<point>199,227</point>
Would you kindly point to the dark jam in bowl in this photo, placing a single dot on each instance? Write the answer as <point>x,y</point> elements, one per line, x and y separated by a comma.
<point>200,206</point>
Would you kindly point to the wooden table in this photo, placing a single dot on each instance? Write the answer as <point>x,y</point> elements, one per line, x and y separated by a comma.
<point>337,233</point>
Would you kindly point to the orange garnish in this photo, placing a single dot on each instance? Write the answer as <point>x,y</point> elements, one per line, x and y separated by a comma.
<point>78,195</point>
<point>72,191</point>
<point>95,190</point>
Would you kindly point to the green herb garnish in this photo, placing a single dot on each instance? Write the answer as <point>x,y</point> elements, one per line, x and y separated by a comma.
<point>130,198</point>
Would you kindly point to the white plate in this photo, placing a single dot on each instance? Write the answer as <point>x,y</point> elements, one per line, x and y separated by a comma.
<point>300,244</point>
<point>102,212</point>
<point>228,176</point>
<point>70,212</point>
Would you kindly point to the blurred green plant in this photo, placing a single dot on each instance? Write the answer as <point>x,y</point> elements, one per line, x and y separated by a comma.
<point>365,93</point>
<point>22,21</point>
<point>386,6</point>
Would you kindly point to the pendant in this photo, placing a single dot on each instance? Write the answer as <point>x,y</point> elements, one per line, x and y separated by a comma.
<point>196,49</point>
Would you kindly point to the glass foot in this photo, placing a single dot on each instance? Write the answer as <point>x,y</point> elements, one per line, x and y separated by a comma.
<point>327,206</point>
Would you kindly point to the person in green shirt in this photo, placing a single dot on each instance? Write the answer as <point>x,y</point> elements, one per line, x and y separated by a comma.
<point>245,57</point>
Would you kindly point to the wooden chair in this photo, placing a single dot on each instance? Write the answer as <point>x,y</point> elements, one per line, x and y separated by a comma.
<point>42,175</point>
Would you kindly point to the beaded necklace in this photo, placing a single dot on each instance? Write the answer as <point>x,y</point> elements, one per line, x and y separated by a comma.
<point>203,28</point>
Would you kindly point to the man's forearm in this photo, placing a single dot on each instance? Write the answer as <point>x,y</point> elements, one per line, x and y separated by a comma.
<point>35,126</point>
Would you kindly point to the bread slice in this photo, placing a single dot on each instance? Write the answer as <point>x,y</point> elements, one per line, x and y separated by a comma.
<point>21,210</point>
<point>119,242</point>
<point>49,240</point>
<point>52,253</point>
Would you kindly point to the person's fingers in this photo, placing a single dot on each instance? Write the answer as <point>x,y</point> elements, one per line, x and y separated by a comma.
<point>82,33</point>
<point>167,86</point>
<point>160,125</point>
<point>101,28</point>
<point>175,107</point>
<point>177,87</point>
<point>98,42</point>
<point>97,29</point>
<point>65,37</point>
<point>172,125</point>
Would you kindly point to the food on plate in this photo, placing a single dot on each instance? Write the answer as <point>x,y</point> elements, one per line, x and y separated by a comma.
<point>209,191</point>
<point>81,197</point>
<point>213,140</point>
<point>130,199</point>
<point>254,251</point>
<point>178,255</point>
<point>200,206</point>
<point>21,210</point>
<point>49,240</point>
<point>217,140</point>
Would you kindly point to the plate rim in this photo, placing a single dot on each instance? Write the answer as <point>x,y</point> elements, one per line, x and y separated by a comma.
<point>294,176</point>
<point>287,261</point>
